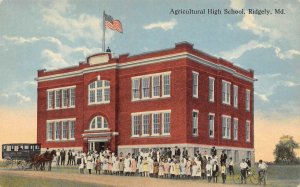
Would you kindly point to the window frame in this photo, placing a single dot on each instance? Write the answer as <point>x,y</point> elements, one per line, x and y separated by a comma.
<point>247,100</point>
<point>166,123</point>
<point>195,84</point>
<point>211,92</point>
<point>195,122</point>
<point>154,123</point>
<point>227,133</point>
<point>94,88</point>
<point>248,131</point>
<point>235,129</point>
<point>226,92</point>
<point>213,125</point>
<point>235,96</point>
<point>103,121</point>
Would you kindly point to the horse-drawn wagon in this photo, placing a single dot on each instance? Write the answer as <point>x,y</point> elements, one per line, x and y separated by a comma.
<point>21,154</point>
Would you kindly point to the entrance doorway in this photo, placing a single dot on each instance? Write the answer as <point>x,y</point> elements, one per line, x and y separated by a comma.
<point>97,146</point>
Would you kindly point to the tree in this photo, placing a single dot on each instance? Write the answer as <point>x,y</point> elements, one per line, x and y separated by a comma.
<point>284,150</point>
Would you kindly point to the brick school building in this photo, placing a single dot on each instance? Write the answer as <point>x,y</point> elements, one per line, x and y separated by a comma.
<point>178,96</point>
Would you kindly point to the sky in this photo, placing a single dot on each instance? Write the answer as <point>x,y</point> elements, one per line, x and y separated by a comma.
<point>54,34</point>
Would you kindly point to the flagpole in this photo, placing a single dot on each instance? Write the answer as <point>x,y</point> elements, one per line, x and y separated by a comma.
<point>103,37</point>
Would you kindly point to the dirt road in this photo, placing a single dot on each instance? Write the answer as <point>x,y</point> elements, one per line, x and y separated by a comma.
<point>111,180</point>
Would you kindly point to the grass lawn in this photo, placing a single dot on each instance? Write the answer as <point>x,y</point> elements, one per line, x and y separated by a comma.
<point>17,181</point>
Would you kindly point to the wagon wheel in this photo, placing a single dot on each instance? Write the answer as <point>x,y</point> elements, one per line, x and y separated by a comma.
<point>237,179</point>
<point>21,164</point>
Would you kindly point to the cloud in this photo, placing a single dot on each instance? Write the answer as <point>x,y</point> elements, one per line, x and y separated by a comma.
<point>22,98</point>
<point>1,1</point>
<point>289,54</point>
<point>249,23</point>
<point>4,95</point>
<point>168,25</point>
<point>55,60</point>
<point>239,51</point>
<point>237,4</point>
<point>84,26</point>
<point>30,83</point>
<point>18,40</point>
<point>262,97</point>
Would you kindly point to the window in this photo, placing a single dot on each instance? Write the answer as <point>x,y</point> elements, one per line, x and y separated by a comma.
<point>72,97</point>
<point>49,131</point>
<point>64,129</point>
<point>226,123</point>
<point>150,86</point>
<point>211,123</point>
<point>249,155</point>
<point>99,92</point>
<point>146,87</point>
<point>156,86</point>
<point>71,129</point>
<point>247,131</point>
<point>64,98</point>
<point>247,100</point>
<point>166,85</point>
<point>195,84</point>
<point>211,89</point>
<point>235,128</point>
<point>61,98</point>
<point>155,124</point>
<point>235,95</point>
<point>135,89</point>
<point>98,122</point>
<point>57,98</point>
<point>226,92</point>
<point>195,122</point>
<point>57,131</point>
<point>136,121</point>
<point>166,124</point>
<point>146,121</point>
<point>50,99</point>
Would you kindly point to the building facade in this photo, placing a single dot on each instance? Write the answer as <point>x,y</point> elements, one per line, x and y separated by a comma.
<point>179,96</point>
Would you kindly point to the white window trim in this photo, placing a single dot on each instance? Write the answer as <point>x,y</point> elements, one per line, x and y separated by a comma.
<point>163,124</point>
<point>213,92</point>
<point>237,134</point>
<point>96,120</point>
<point>55,128</point>
<point>211,136</point>
<point>70,103</point>
<point>61,97</point>
<point>248,101</point>
<point>132,127</point>
<point>235,95</point>
<point>196,95</point>
<point>103,88</point>
<point>227,136</point>
<point>163,88</point>
<point>139,86</point>
<point>143,124</point>
<point>141,98</point>
<point>152,124</point>
<point>152,86</point>
<point>69,126</point>
<point>195,111</point>
<point>248,140</point>
<point>226,102</point>
<point>48,125</point>
<point>62,124</point>
<point>149,93</point>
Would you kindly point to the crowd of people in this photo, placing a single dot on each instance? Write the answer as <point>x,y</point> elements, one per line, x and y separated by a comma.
<point>157,162</point>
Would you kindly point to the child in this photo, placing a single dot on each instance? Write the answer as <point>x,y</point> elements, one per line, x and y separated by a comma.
<point>116,167</point>
<point>177,169</point>
<point>121,166</point>
<point>231,166</point>
<point>223,172</point>
<point>188,168</point>
<point>166,168</point>
<point>182,168</point>
<point>155,168</point>
<point>161,169</point>
<point>209,170</point>
<point>146,167</point>
<point>172,169</point>
<point>98,166</point>
<point>215,172</point>
<point>133,166</point>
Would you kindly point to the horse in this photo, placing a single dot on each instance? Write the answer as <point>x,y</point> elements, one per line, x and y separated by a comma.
<point>43,159</point>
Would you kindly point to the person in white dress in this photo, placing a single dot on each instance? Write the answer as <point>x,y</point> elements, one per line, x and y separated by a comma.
<point>198,163</point>
<point>89,164</point>
<point>150,166</point>
<point>209,170</point>
<point>127,168</point>
<point>81,164</point>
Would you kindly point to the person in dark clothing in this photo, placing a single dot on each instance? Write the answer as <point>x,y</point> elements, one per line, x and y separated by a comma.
<point>169,152</point>
<point>215,171</point>
<point>177,153</point>
<point>62,157</point>
<point>185,153</point>
<point>223,158</point>
<point>213,151</point>
<point>69,157</point>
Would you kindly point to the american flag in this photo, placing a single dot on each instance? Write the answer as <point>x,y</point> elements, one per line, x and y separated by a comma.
<point>112,23</point>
